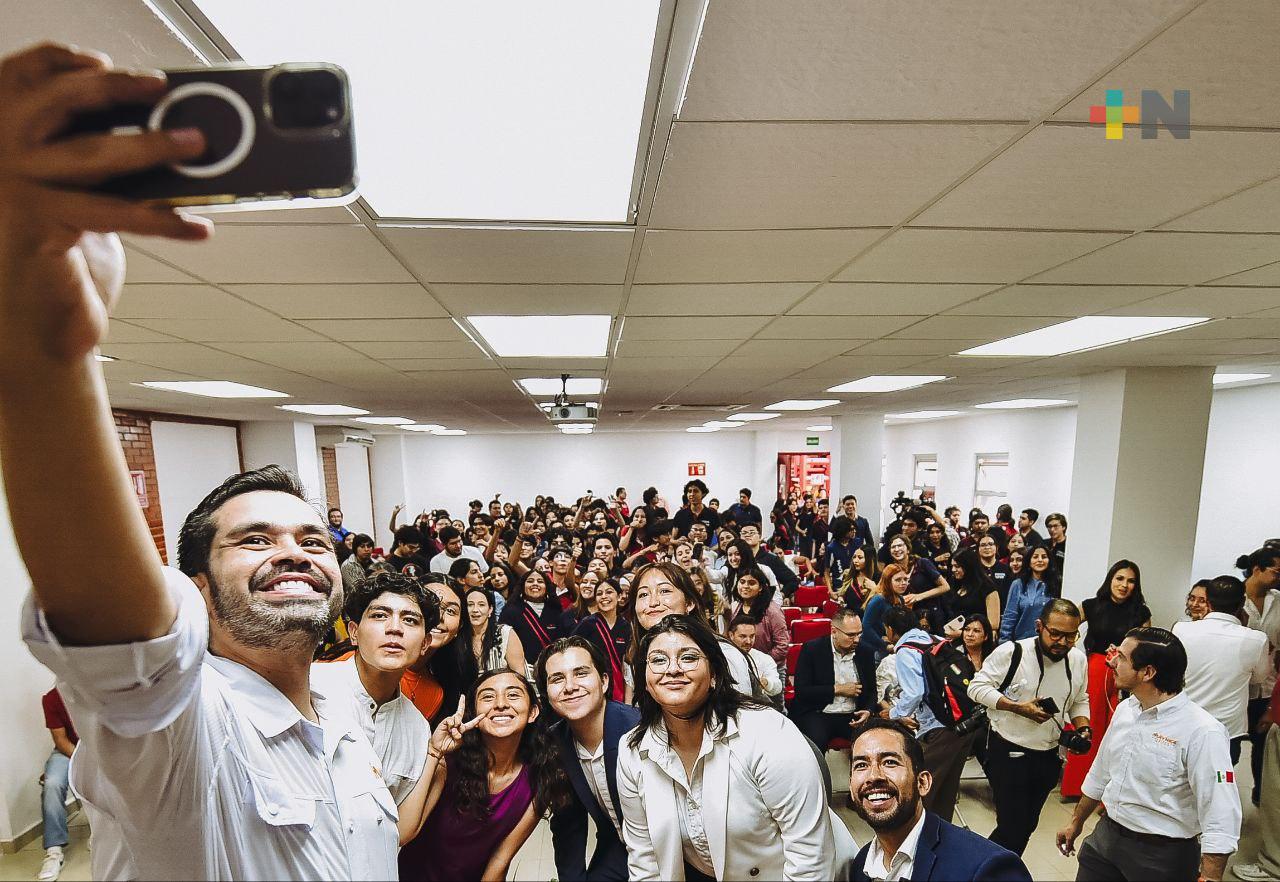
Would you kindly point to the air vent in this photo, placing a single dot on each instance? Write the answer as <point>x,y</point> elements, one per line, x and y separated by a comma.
<point>722,408</point>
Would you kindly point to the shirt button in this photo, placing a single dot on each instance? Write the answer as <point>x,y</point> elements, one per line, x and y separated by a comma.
<point>273,809</point>
<point>755,871</point>
<point>352,829</point>
<point>379,819</point>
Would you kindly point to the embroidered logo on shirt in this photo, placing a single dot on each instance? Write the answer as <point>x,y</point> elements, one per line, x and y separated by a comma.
<point>1173,742</point>
<point>1226,777</point>
<point>377,772</point>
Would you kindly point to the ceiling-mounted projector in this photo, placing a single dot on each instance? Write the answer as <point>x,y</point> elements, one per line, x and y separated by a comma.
<point>563,410</point>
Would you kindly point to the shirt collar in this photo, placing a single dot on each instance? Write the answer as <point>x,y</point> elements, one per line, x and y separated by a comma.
<point>656,743</point>
<point>838,654</point>
<point>875,854</point>
<point>1167,706</point>
<point>1221,617</point>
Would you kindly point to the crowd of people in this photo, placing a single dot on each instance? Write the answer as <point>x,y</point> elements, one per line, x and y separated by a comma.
<point>290,703</point>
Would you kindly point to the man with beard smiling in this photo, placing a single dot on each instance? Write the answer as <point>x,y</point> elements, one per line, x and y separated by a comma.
<point>887,782</point>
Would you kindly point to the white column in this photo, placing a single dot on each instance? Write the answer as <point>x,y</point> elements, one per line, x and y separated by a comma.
<point>861,464</point>
<point>389,483</point>
<point>287,444</point>
<point>354,487</point>
<point>1136,479</point>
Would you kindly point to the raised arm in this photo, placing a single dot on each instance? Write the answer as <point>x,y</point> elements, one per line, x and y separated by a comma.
<point>61,271</point>
<point>395,516</point>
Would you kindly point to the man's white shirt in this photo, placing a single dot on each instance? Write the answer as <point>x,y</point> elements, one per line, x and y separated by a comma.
<point>207,769</point>
<point>1224,659</point>
<point>902,862</point>
<point>397,730</point>
<point>441,562</point>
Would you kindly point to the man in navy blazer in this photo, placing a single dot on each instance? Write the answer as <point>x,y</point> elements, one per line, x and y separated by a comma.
<point>573,678</point>
<point>886,781</point>
<point>815,709</point>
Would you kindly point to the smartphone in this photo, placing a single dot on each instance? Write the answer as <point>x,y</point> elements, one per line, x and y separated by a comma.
<point>271,133</point>
<point>956,624</point>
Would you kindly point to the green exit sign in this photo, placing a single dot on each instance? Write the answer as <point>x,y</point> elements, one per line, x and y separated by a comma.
<point>812,440</point>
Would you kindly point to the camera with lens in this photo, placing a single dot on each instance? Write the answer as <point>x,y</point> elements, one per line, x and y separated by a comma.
<point>902,503</point>
<point>306,99</point>
<point>1074,740</point>
<point>972,723</point>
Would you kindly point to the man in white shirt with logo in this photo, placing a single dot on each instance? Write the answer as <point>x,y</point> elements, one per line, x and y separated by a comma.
<point>389,617</point>
<point>1163,772</point>
<point>1224,659</point>
<point>202,737</point>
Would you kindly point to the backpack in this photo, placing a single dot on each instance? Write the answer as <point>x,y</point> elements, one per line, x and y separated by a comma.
<point>947,672</point>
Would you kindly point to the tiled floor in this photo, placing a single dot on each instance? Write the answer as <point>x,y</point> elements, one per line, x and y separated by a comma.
<point>535,861</point>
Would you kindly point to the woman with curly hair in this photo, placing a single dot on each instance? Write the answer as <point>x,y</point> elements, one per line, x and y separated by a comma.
<point>492,645</point>
<point>495,784</point>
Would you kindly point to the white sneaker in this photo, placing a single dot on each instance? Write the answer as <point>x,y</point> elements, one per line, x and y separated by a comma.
<point>51,869</point>
<point>1252,873</point>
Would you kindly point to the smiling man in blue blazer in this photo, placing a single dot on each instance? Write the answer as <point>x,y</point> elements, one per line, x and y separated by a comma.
<point>887,783</point>
<point>573,678</point>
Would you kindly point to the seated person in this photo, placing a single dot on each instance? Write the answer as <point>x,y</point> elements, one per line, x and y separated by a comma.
<point>834,681</point>
<point>54,781</point>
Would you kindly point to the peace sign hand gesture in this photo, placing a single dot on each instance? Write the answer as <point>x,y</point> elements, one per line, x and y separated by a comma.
<point>448,735</point>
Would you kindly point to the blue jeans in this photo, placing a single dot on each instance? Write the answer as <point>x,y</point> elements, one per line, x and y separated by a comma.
<point>55,800</point>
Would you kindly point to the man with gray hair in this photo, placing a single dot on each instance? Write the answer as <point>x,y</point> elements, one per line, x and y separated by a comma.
<point>835,682</point>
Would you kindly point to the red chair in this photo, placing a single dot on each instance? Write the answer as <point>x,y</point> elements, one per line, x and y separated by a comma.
<point>791,613</point>
<point>793,654</point>
<point>810,597</point>
<point>830,608</point>
<point>809,629</point>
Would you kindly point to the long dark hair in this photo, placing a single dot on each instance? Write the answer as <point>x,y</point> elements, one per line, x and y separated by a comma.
<point>971,581</point>
<point>988,642</point>
<point>757,606</point>
<point>491,633</point>
<point>469,767</point>
<point>451,664</point>
<point>1104,591</point>
<point>723,702</point>
<point>677,576</point>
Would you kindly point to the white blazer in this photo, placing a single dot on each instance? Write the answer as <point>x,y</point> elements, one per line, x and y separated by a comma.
<point>763,805</point>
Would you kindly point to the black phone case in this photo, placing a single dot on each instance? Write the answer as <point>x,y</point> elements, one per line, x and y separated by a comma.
<point>279,163</point>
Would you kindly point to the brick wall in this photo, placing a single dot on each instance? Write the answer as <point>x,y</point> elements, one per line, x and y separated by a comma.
<point>134,431</point>
<point>329,460</point>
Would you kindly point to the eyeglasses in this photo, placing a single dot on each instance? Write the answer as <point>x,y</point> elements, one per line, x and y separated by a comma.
<point>660,663</point>
<point>1062,636</point>
<point>846,633</point>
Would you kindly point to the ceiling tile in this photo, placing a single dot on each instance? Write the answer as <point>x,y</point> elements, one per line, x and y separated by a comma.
<point>738,299</point>
<point>1233,329</point>
<point>782,353</point>
<point>477,363</point>
<point>185,302</point>
<point>1072,177</point>
<point>732,327</point>
<point>748,256</point>
<point>849,327</point>
<point>1224,52</point>
<point>909,59</point>
<point>529,299</point>
<point>296,356</point>
<point>1058,300</point>
<point>921,348</point>
<point>1218,302</point>
<point>388,329</point>
<point>691,364</point>
<point>554,367</point>
<point>298,253</point>
<point>123,332</point>
<point>664,348</point>
<point>389,349</point>
<point>1256,210</point>
<point>508,255</point>
<point>1263,275</point>
<point>140,267</point>
<point>870,298</point>
<point>984,327</point>
<point>752,176</point>
<point>1170,259</point>
<point>263,329</point>
<point>853,367</point>
<point>342,301</point>
<point>993,256</point>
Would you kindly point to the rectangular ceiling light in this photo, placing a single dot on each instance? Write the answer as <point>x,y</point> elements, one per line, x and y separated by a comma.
<point>1224,379</point>
<point>384,421</point>
<point>544,336</point>
<point>922,415</point>
<point>802,404</point>
<point>1023,403</point>
<point>885,383</point>
<point>552,386</point>
<point>503,110</point>
<point>324,409</point>
<point>584,430</point>
<point>547,405</point>
<point>818,428</point>
<point>424,427</point>
<point>701,429</point>
<point>565,427</point>
<point>449,432</point>
<point>722,424</point>
<point>214,389</point>
<point>752,417</point>
<point>1089,332</point>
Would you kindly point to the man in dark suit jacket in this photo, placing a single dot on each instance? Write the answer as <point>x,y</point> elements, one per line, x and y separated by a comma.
<point>816,686</point>
<point>573,677</point>
<point>886,784</point>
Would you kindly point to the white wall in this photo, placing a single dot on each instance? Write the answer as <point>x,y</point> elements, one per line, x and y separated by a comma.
<point>1240,499</point>
<point>354,488</point>
<point>1040,444</point>
<point>26,743</point>
<point>191,459</point>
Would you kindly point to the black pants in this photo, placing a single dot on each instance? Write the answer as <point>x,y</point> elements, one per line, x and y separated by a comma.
<point>1108,855</point>
<point>1021,781</point>
<point>1257,709</point>
<point>945,754</point>
<point>821,727</point>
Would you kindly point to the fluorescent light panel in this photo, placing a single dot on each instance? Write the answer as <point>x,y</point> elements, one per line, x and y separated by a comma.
<point>1023,403</point>
<point>701,429</point>
<point>323,409</point>
<point>752,417</point>
<point>213,389</point>
<point>818,428</point>
<point>1224,379</point>
<point>449,432</point>
<point>384,421</point>
<point>886,383</point>
<point>547,405</point>
<point>1089,332</point>
<point>802,404</point>
<point>544,336</point>
<point>551,386</point>
<point>922,415</point>
<point>563,427</point>
<point>722,424</point>
<point>424,427</point>
<point>494,68</point>
<point>586,431</point>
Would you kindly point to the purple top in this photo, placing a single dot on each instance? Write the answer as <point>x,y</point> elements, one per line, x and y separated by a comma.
<point>456,846</point>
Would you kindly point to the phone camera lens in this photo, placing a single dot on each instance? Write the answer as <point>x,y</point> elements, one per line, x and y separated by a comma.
<point>306,99</point>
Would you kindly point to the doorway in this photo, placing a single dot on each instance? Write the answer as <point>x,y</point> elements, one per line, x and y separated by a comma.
<point>804,473</point>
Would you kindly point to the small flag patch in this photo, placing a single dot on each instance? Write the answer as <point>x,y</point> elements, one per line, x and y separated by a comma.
<point>1226,777</point>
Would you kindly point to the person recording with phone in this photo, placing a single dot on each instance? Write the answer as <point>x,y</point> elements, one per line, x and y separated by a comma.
<point>1031,688</point>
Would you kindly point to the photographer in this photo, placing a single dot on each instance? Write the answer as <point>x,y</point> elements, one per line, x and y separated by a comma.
<point>1030,688</point>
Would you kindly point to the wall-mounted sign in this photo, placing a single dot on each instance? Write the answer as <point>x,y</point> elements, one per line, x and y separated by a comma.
<point>697,470</point>
<point>139,480</point>
<point>811,440</point>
